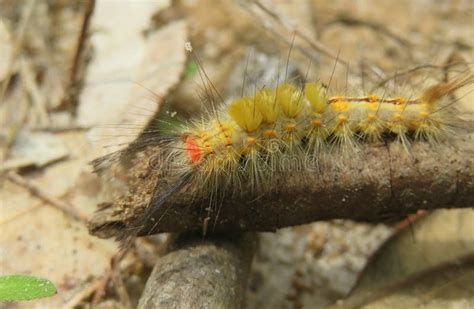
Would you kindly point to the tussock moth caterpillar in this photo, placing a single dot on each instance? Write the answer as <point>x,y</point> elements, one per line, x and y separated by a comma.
<point>287,143</point>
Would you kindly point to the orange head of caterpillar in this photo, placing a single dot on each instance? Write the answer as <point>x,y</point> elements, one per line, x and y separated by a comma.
<point>192,149</point>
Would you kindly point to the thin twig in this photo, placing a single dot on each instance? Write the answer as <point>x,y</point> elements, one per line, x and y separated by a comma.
<point>60,129</point>
<point>17,44</point>
<point>117,279</point>
<point>34,189</point>
<point>316,45</point>
<point>108,276</point>
<point>417,68</point>
<point>31,87</point>
<point>71,90</point>
<point>378,27</point>
<point>83,294</point>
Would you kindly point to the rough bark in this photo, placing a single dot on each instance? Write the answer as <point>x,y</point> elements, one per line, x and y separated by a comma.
<point>201,273</point>
<point>380,183</point>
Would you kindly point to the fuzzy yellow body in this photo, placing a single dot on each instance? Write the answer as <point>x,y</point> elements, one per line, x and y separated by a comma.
<point>246,140</point>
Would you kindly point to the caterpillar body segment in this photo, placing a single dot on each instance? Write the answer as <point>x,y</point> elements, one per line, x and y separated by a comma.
<point>250,138</point>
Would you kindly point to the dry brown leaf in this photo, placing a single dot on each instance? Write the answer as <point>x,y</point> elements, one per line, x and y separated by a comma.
<point>40,240</point>
<point>160,70</point>
<point>6,48</point>
<point>35,149</point>
<point>127,104</point>
<point>444,237</point>
<point>448,286</point>
<point>119,45</point>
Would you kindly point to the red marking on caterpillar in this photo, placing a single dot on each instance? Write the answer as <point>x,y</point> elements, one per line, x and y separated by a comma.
<point>193,149</point>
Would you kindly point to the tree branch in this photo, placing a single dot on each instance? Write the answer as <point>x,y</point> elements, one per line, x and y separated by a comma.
<point>201,273</point>
<point>382,183</point>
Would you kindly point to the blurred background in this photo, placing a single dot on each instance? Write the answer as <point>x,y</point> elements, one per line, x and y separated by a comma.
<point>79,79</point>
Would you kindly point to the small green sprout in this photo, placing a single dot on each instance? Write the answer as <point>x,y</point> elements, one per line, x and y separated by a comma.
<point>190,70</point>
<point>20,287</point>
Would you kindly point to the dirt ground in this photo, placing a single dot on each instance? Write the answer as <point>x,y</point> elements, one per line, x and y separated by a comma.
<point>73,73</point>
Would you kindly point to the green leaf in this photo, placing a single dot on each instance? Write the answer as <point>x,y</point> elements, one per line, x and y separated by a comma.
<point>20,287</point>
<point>190,70</point>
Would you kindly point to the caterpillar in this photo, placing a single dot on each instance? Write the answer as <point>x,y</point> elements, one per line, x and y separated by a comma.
<point>242,146</point>
<point>242,142</point>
